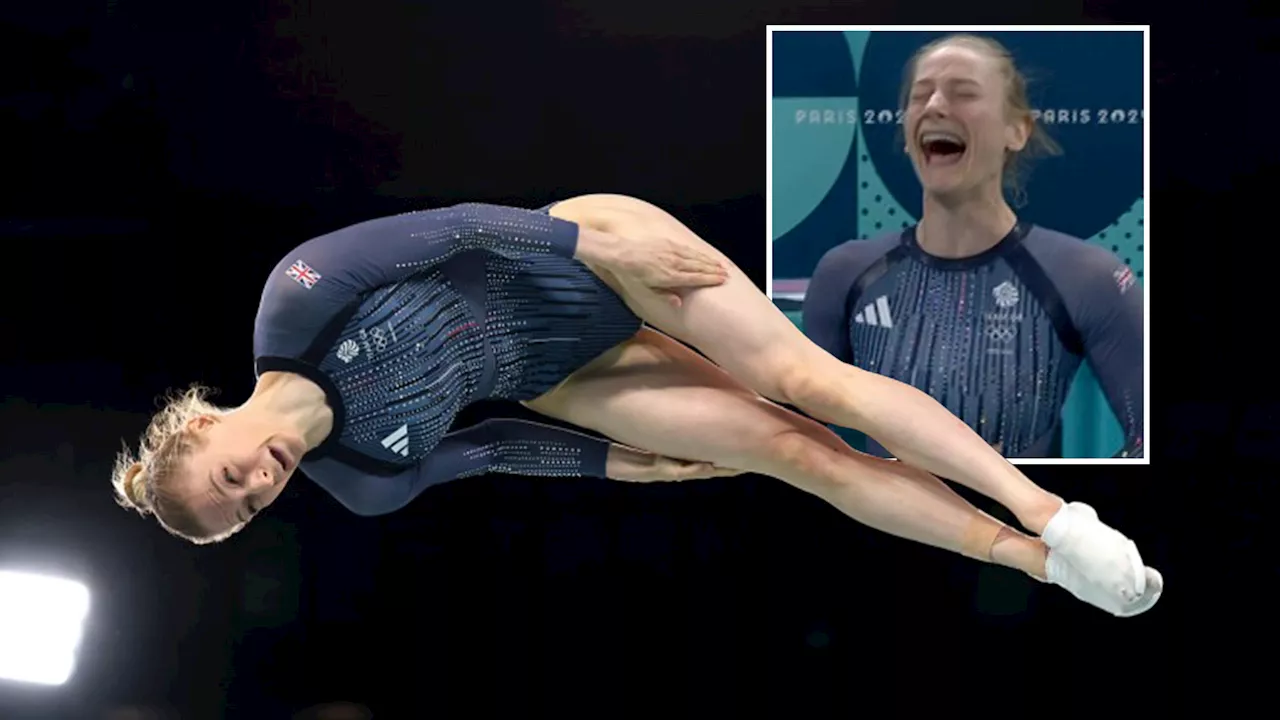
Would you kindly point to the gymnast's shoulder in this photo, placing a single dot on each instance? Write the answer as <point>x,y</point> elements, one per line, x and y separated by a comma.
<point>308,291</point>
<point>851,258</point>
<point>1068,258</point>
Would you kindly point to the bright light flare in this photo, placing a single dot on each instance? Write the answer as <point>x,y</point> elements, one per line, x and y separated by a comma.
<point>41,624</point>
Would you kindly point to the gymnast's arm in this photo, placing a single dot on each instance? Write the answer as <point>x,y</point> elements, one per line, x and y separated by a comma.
<point>824,314</point>
<point>316,281</point>
<point>520,447</point>
<point>513,447</point>
<point>1107,307</point>
<point>494,446</point>
<point>516,447</point>
<point>385,250</point>
<point>379,252</point>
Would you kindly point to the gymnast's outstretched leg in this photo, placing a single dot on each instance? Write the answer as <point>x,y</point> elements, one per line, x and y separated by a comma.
<point>740,329</point>
<point>655,394</point>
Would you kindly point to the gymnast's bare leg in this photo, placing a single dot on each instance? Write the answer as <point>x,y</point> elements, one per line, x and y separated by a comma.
<point>740,329</point>
<point>656,394</point>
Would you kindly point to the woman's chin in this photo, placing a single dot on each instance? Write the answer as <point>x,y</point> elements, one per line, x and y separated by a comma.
<point>941,178</point>
<point>943,187</point>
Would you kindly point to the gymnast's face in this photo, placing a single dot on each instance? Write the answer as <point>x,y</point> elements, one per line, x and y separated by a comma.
<point>236,467</point>
<point>957,125</point>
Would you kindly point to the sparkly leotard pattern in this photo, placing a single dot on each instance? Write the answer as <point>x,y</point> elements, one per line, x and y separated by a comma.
<point>996,338</point>
<point>406,320</point>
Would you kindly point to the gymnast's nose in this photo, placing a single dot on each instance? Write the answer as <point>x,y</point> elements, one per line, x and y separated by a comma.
<point>261,478</point>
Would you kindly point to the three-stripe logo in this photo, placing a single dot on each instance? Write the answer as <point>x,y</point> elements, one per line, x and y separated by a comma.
<point>875,314</point>
<point>398,441</point>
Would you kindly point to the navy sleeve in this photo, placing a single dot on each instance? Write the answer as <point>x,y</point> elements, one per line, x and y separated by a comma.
<point>516,447</point>
<point>1105,302</point>
<point>381,251</point>
<point>824,313</point>
<point>319,278</point>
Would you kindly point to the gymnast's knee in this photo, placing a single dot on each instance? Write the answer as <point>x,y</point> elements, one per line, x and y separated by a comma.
<point>629,211</point>
<point>801,386</point>
<point>826,392</point>
<point>796,452</point>
<point>628,202</point>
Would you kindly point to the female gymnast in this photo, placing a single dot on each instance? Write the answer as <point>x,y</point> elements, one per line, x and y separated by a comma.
<point>371,339</point>
<point>1024,305</point>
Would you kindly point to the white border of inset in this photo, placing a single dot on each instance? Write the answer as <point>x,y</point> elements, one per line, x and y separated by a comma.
<point>1146,187</point>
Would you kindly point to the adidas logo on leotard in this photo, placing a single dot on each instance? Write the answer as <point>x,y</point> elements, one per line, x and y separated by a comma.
<point>398,441</point>
<point>875,314</point>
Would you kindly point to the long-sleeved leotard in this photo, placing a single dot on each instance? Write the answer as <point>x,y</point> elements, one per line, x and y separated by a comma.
<point>406,320</point>
<point>995,338</point>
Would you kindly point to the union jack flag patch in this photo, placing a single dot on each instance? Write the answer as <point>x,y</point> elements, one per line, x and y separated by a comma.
<point>303,274</point>
<point>1124,279</point>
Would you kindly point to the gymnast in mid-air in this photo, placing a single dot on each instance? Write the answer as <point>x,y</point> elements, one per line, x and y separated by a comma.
<point>371,339</point>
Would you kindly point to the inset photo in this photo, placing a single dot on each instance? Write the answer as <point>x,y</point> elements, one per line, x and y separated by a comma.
<point>964,210</point>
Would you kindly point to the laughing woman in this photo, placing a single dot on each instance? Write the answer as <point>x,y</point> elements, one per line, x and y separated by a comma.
<point>990,314</point>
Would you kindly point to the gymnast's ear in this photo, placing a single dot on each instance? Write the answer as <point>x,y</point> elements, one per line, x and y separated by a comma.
<point>201,423</point>
<point>1018,132</point>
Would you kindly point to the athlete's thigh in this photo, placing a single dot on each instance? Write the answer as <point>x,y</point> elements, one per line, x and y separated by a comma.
<point>734,324</point>
<point>655,394</point>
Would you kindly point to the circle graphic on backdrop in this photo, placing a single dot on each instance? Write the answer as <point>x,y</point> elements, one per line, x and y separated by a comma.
<point>813,65</point>
<point>1091,104</point>
<point>812,141</point>
<point>814,120</point>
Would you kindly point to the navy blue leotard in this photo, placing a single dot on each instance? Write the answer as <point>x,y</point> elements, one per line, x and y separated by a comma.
<point>996,338</point>
<point>406,320</point>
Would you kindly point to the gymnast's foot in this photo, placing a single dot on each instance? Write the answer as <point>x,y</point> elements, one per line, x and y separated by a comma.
<point>1066,576</point>
<point>1097,564</point>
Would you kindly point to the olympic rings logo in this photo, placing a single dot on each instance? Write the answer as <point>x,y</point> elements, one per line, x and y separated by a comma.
<point>1001,333</point>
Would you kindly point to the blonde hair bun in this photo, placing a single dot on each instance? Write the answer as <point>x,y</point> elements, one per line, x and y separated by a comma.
<point>135,484</point>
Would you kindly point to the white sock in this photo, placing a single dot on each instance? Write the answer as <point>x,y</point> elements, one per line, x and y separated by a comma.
<point>1075,535</point>
<point>1059,526</point>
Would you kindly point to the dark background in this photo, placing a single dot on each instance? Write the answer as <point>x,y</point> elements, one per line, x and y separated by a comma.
<point>160,157</point>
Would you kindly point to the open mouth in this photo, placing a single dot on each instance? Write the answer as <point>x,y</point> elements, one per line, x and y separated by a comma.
<point>942,148</point>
